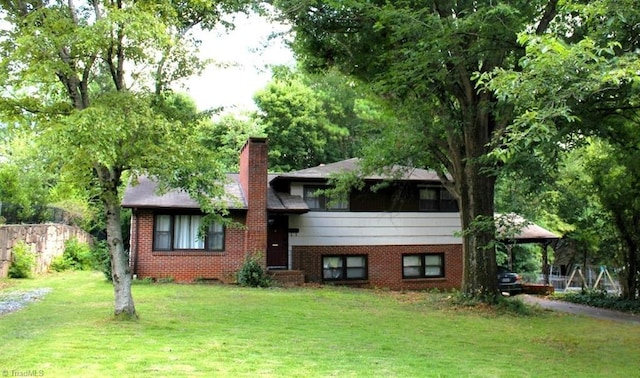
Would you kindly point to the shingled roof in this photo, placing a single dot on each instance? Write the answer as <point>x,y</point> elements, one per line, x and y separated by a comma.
<point>326,171</point>
<point>145,195</point>
<point>514,228</point>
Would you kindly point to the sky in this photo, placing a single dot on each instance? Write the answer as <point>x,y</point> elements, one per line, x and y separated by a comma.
<point>246,54</point>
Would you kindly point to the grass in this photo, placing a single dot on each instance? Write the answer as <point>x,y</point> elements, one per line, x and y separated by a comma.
<point>228,331</point>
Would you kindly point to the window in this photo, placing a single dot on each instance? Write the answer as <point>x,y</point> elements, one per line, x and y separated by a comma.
<point>173,232</point>
<point>340,268</point>
<point>437,199</point>
<point>319,201</point>
<point>428,265</point>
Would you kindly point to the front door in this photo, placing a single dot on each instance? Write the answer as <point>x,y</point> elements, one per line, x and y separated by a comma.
<point>278,242</point>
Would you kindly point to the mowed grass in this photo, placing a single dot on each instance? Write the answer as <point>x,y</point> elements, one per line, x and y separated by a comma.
<point>228,331</point>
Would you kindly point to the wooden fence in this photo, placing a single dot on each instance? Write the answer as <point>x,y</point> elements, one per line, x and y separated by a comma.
<point>45,240</point>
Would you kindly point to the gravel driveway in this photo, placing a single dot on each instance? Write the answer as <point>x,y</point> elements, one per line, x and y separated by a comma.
<point>579,309</point>
<point>15,300</point>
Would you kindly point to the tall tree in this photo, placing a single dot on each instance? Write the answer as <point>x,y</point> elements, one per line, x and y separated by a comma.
<point>425,58</point>
<point>24,177</point>
<point>92,76</point>
<point>297,121</point>
<point>583,81</point>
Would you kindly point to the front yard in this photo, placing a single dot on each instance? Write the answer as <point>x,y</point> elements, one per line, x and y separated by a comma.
<point>227,331</point>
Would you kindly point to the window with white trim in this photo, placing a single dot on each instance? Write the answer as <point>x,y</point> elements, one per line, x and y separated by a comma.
<point>181,232</point>
<point>342,268</point>
<point>424,265</point>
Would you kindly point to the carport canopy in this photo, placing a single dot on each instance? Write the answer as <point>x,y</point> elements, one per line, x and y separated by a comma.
<point>513,229</point>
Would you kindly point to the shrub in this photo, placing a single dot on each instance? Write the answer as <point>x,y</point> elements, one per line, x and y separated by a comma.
<point>59,264</point>
<point>101,259</point>
<point>601,299</point>
<point>76,256</point>
<point>252,273</point>
<point>23,261</point>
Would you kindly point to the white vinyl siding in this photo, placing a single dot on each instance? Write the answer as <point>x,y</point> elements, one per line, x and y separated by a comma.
<point>374,228</point>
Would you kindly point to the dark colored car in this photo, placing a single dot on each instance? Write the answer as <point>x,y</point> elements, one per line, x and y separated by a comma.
<point>509,282</point>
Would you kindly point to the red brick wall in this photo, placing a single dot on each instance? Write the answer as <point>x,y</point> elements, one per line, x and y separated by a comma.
<point>384,265</point>
<point>184,266</point>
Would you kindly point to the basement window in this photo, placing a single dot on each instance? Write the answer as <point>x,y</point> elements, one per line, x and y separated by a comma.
<point>426,265</point>
<point>342,268</point>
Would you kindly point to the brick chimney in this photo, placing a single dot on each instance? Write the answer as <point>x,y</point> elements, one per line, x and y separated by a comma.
<point>253,179</point>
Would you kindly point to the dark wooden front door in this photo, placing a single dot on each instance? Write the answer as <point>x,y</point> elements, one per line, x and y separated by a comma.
<point>278,242</point>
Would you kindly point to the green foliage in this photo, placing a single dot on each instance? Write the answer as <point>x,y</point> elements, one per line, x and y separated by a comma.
<point>423,60</point>
<point>252,273</point>
<point>314,118</point>
<point>601,299</point>
<point>144,281</point>
<point>499,304</point>
<point>102,259</point>
<point>76,256</point>
<point>228,134</point>
<point>23,261</point>
<point>296,124</point>
<point>94,82</point>
<point>512,306</point>
<point>25,178</point>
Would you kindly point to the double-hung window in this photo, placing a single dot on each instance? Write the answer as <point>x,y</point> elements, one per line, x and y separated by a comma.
<point>182,232</point>
<point>316,200</point>
<point>341,268</point>
<point>426,265</point>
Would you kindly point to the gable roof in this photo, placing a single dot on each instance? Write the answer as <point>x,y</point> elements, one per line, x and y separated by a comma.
<point>326,171</point>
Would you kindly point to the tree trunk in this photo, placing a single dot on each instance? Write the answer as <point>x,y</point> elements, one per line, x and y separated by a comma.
<point>475,182</point>
<point>120,269</point>
<point>627,229</point>
<point>630,290</point>
<point>478,246</point>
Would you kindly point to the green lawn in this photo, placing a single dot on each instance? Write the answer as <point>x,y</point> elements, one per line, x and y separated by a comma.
<point>226,331</point>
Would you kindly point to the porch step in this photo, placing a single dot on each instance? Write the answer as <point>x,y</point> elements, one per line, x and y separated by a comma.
<point>287,277</point>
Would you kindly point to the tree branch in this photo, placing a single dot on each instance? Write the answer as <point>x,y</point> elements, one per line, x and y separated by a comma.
<point>550,12</point>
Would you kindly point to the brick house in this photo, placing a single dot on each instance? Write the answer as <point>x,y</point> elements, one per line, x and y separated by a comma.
<point>400,235</point>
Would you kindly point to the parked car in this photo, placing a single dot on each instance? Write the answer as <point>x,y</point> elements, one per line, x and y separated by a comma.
<point>509,282</point>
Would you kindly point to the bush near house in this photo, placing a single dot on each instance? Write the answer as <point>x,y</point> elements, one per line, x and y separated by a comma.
<point>252,274</point>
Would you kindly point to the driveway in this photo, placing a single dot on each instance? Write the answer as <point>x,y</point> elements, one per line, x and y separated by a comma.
<point>578,309</point>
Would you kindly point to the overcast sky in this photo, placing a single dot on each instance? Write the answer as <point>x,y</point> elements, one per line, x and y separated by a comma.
<point>248,54</point>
